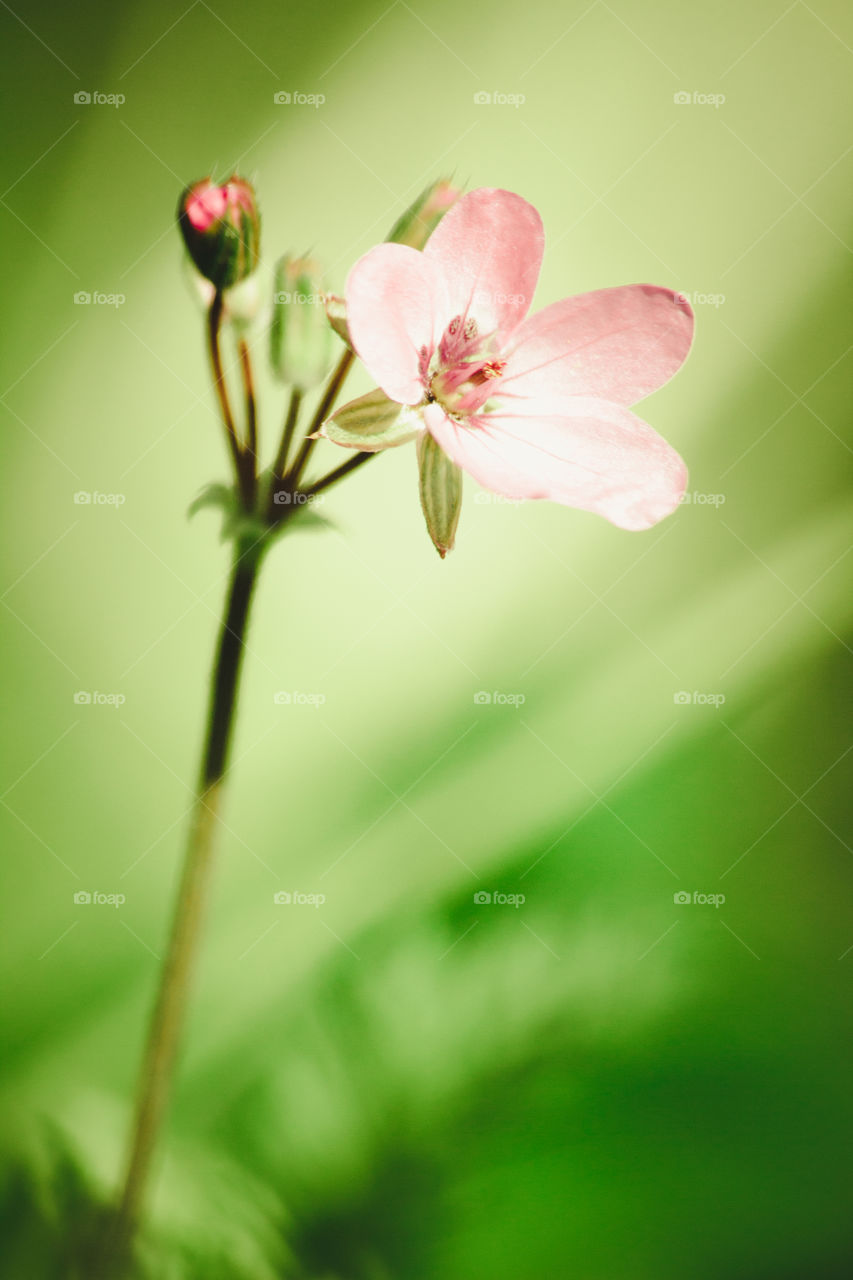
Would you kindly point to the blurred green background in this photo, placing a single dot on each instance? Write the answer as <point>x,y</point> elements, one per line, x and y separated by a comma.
<point>602,1082</point>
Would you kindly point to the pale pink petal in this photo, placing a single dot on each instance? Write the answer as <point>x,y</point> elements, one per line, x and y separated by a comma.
<point>489,249</point>
<point>595,455</point>
<point>395,303</point>
<point>620,344</point>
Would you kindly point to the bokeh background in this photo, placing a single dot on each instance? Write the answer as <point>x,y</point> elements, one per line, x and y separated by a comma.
<point>601,1082</point>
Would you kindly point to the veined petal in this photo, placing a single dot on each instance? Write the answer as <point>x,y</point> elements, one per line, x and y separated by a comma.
<point>620,344</point>
<point>393,296</point>
<point>489,250</point>
<point>596,455</point>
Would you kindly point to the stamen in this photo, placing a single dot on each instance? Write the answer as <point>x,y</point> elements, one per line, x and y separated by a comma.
<point>471,328</point>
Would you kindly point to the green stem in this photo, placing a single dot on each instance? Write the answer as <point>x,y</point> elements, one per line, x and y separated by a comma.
<point>330,395</point>
<point>251,452</point>
<point>351,464</point>
<point>170,1007</point>
<point>214,325</point>
<point>287,435</point>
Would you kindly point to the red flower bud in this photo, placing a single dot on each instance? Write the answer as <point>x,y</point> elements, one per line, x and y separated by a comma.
<point>221,229</point>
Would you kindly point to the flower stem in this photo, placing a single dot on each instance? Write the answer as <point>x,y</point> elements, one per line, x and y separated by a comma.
<point>333,477</point>
<point>287,435</point>
<point>330,395</point>
<point>243,476</point>
<point>170,1007</point>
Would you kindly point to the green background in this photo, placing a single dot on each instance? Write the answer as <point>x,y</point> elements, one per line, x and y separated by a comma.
<point>600,1083</point>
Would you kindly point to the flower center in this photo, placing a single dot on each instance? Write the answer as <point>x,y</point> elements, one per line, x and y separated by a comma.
<point>464,370</point>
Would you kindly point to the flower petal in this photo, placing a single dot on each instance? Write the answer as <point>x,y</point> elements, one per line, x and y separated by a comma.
<point>489,249</point>
<point>619,344</point>
<point>596,456</point>
<point>393,296</point>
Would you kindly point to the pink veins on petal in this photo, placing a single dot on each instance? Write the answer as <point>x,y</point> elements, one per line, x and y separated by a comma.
<point>532,407</point>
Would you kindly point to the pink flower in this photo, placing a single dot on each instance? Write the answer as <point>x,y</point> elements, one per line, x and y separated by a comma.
<point>531,407</point>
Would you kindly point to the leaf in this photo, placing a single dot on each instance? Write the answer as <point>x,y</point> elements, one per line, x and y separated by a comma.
<point>372,422</point>
<point>441,493</point>
<point>213,495</point>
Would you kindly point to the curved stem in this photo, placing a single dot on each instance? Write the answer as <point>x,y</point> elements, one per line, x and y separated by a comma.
<point>287,435</point>
<point>330,395</point>
<point>169,1010</point>
<point>214,325</point>
<point>333,477</point>
<point>251,452</point>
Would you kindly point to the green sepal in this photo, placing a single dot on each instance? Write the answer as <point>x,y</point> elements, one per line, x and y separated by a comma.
<point>371,423</point>
<point>441,493</point>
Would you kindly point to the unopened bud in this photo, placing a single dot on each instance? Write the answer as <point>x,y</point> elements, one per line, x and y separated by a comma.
<point>422,217</point>
<point>300,335</point>
<point>221,229</point>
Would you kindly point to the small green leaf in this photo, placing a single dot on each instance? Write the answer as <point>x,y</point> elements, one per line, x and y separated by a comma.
<point>371,423</point>
<point>220,496</point>
<point>237,523</point>
<point>441,493</point>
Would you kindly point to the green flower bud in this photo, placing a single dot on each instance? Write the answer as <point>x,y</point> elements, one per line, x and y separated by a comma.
<point>422,217</point>
<point>221,229</point>
<point>300,334</point>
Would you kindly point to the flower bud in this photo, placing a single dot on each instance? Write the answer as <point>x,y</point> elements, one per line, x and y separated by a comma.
<point>422,217</point>
<point>221,229</point>
<point>300,334</point>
